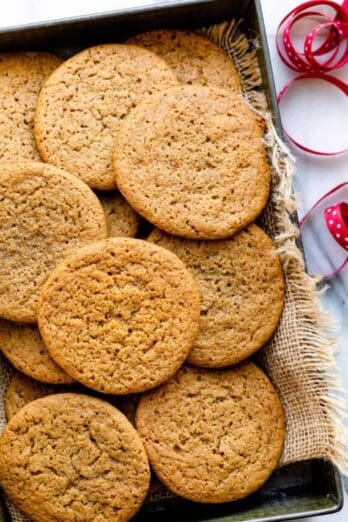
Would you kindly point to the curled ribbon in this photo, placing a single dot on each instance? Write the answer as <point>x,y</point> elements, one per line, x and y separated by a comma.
<point>309,62</point>
<point>336,219</point>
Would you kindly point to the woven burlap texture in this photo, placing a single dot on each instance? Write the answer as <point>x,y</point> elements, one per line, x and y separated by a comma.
<point>300,358</point>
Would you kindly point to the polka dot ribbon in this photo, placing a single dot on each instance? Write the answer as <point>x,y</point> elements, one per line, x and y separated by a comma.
<point>336,219</point>
<point>315,60</point>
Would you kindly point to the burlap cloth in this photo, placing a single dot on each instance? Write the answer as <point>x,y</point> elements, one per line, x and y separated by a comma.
<point>300,357</point>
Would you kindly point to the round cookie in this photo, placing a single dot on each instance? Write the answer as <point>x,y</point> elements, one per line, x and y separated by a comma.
<point>73,457</point>
<point>121,219</point>
<point>192,162</point>
<point>23,346</point>
<point>23,390</point>
<point>45,214</point>
<point>213,436</point>
<point>82,104</point>
<point>242,289</point>
<point>21,78</point>
<point>195,59</point>
<point>120,316</point>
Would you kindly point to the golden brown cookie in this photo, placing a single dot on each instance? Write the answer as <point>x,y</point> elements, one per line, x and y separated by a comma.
<point>23,390</point>
<point>192,162</point>
<point>213,436</point>
<point>73,457</point>
<point>21,78</point>
<point>45,214</point>
<point>82,104</point>
<point>121,219</point>
<point>24,348</point>
<point>242,289</point>
<point>120,316</point>
<point>195,59</point>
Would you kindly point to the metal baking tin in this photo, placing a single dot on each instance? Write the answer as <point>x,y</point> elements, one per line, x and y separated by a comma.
<point>299,490</point>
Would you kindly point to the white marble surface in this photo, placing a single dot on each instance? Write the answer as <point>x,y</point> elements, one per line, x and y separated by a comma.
<point>319,113</point>
<point>319,116</point>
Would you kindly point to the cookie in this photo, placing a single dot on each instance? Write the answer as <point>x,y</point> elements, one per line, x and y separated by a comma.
<point>23,390</point>
<point>195,59</point>
<point>23,346</point>
<point>121,219</point>
<point>192,162</point>
<point>83,102</point>
<point>120,316</point>
<point>213,436</point>
<point>45,214</point>
<point>73,457</point>
<point>21,78</point>
<point>242,289</point>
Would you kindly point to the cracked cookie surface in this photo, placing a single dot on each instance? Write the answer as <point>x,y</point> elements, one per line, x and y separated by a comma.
<point>195,59</point>
<point>21,78</point>
<point>120,316</point>
<point>73,457</point>
<point>23,346</point>
<point>213,436</point>
<point>82,104</point>
<point>242,290</point>
<point>192,162</point>
<point>45,214</point>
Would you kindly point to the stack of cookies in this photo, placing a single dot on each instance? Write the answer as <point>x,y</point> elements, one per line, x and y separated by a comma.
<point>127,352</point>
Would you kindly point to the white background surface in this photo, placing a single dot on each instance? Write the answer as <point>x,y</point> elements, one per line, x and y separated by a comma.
<point>320,113</point>
<point>317,112</point>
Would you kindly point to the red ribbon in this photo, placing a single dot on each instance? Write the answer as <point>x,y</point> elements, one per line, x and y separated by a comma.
<point>311,63</point>
<point>324,77</point>
<point>336,219</point>
<point>307,62</point>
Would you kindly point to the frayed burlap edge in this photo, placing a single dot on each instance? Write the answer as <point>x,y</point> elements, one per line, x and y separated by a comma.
<point>300,359</point>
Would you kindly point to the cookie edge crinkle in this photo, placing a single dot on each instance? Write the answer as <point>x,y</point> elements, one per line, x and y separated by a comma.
<point>156,219</point>
<point>18,421</point>
<point>182,490</point>
<point>98,247</point>
<point>39,132</point>
<point>27,168</point>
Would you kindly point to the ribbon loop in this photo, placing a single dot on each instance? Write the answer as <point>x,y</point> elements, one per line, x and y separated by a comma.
<point>313,62</point>
<point>336,219</point>
<point>337,25</point>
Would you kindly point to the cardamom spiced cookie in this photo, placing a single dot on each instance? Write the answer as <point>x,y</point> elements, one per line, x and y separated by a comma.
<point>23,346</point>
<point>45,214</point>
<point>23,390</point>
<point>242,289</point>
<point>195,59</point>
<point>121,219</point>
<point>73,457</point>
<point>21,78</point>
<point>120,316</point>
<point>192,162</point>
<point>213,436</point>
<point>82,104</point>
